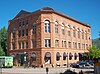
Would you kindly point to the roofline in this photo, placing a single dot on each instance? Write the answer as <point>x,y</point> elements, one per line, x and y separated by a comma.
<point>53,11</point>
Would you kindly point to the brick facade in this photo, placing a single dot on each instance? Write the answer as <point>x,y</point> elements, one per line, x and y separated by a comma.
<point>18,44</point>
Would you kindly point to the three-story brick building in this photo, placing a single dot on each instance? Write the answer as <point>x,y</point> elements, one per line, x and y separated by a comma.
<point>47,37</point>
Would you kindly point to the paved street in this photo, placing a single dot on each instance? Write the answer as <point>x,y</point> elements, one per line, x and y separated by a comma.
<point>22,70</point>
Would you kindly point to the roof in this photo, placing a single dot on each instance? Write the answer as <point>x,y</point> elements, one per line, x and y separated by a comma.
<point>23,13</point>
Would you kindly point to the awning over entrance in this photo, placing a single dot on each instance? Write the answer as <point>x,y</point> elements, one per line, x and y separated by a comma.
<point>47,54</point>
<point>58,54</point>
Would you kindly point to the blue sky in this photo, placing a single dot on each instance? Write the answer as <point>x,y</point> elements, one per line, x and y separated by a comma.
<point>87,11</point>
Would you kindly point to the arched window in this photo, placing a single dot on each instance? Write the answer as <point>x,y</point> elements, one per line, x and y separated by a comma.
<point>82,34</point>
<point>58,56</point>
<point>33,56</point>
<point>48,57</point>
<point>47,26</point>
<point>69,33</point>
<point>78,33</point>
<point>86,35</point>
<point>74,32</point>
<point>75,56</point>
<point>65,55</point>
<point>56,27</point>
<point>34,28</point>
<point>70,56</point>
<point>63,28</point>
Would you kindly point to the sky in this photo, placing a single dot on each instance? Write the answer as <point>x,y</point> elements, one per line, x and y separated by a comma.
<point>87,11</point>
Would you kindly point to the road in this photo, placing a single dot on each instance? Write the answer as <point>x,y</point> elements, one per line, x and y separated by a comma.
<point>57,70</point>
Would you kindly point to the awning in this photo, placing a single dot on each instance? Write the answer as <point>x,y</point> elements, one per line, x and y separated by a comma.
<point>65,55</point>
<point>47,55</point>
<point>58,54</point>
<point>70,55</point>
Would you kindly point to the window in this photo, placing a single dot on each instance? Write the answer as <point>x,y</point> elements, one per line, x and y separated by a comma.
<point>47,26</point>
<point>23,24</point>
<point>23,45</point>
<point>75,56</point>
<point>64,56</point>
<point>33,43</point>
<point>34,28</point>
<point>86,46</point>
<point>56,43</point>
<point>79,46</point>
<point>78,33</point>
<point>63,29</point>
<point>70,56</point>
<point>26,31</point>
<point>26,22</point>
<point>33,57</point>
<point>83,46</point>
<point>75,45</point>
<point>47,43</point>
<point>19,33</point>
<point>13,45</point>
<point>56,27</point>
<point>69,44</point>
<point>22,32</point>
<point>19,24</point>
<point>63,43</point>
<point>26,44</point>
<point>58,56</point>
<point>19,45</point>
<point>74,32</point>
<point>82,34</point>
<point>86,35</point>
<point>13,35</point>
<point>69,30</point>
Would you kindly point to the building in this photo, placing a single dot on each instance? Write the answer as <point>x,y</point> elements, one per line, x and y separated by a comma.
<point>47,37</point>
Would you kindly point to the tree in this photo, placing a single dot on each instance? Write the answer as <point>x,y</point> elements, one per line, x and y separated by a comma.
<point>3,39</point>
<point>1,51</point>
<point>94,53</point>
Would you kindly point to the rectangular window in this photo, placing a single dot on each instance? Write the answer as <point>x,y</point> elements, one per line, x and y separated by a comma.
<point>82,35</point>
<point>86,46</point>
<point>47,43</point>
<point>86,36</point>
<point>13,45</point>
<point>56,28</point>
<point>78,34</point>
<point>83,46</point>
<point>68,32</point>
<point>19,45</point>
<point>65,44</point>
<point>74,33</point>
<point>33,43</point>
<point>23,45</point>
<point>63,31</point>
<point>69,44</point>
<point>26,44</point>
<point>26,32</point>
<point>22,32</point>
<point>79,46</point>
<point>75,45</point>
<point>13,35</point>
<point>56,43</point>
<point>34,29</point>
<point>19,33</point>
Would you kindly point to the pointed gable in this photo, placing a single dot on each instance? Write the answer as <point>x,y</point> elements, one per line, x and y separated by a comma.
<point>21,14</point>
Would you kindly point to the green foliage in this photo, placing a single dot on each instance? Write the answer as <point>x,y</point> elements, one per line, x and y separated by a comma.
<point>96,42</point>
<point>94,52</point>
<point>1,51</point>
<point>3,39</point>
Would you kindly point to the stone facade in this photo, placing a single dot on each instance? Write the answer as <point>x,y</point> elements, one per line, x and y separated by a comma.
<point>34,33</point>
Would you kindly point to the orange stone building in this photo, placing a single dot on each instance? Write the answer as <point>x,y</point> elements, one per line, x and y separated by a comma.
<point>47,37</point>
